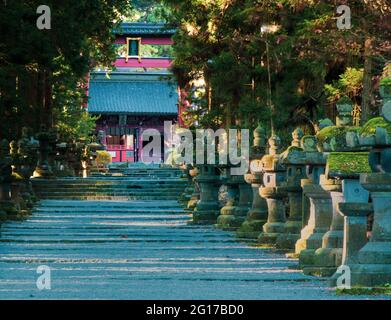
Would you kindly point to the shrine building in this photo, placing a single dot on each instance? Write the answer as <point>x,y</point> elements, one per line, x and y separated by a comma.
<point>140,94</point>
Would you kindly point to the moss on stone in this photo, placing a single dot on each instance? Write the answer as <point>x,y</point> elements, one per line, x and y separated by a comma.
<point>384,290</point>
<point>348,162</point>
<point>327,133</point>
<point>369,128</point>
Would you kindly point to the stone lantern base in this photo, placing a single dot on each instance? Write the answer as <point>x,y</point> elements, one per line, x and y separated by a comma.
<point>275,225</point>
<point>227,220</point>
<point>374,259</point>
<point>318,224</point>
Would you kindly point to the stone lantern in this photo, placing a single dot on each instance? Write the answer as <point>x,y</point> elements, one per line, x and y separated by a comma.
<point>227,219</point>
<point>333,141</point>
<point>245,199</point>
<point>92,150</point>
<point>318,222</point>
<point>274,175</point>
<point>343,170</point>
<point>257,215</point>
<point>62,165</point>
<point>195,197</point>
<point>186,195</point>
<point>27,155</point>
<point>293,159</point>
<point>43,169</point>
<point>6,205</point>
<point>373,264</point>
<point>207,208</point>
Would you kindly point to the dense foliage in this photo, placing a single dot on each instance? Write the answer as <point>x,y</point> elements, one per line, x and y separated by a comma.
<point>43,73</point>
<point>284,58</point>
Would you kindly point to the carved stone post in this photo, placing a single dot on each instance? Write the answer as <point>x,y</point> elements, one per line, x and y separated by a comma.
<point>43,169</point>
<point>195,197</point>
<point>257,215</point>
<point>207,208</point>
<point>6,205</point>
<point>293,159</point>
<point>319,203</point>
<point>374,259</point>
<point>186,195</point>
<point>227,219</point>
<point>274,177</point>
<point>344,187</point>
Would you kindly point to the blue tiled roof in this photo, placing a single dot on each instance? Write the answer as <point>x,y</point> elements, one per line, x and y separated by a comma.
<point>132,94</point>
<point>143,28</point>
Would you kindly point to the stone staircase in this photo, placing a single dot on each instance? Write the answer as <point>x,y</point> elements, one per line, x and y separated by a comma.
<point>139,249</point>
<point>142,183</point>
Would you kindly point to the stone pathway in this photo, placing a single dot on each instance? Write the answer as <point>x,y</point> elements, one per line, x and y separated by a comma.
<point>140,250</point>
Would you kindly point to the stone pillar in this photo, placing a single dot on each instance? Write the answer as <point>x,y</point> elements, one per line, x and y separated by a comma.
<point>374,259</point>
<point>207,208</point>
<point>43,169</point>
<point>7,207</point>
<point>355,232</point>
<point>257,215</point>
<point>305,201</point>
<point>373,266</point>
<point>328,258</point>
<point>245,198</point>
<point>27,153</point>
<point>294,160</point>
<point>227,219</point>
<point>317,201</point>
<point>186,195</point>
<point>274,177</point>
<point>275,225</point>
<point>318,224</point>
<point>195,197</point>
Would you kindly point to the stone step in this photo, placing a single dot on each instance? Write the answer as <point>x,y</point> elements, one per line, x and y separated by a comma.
<point>114,198</point>
<point>109,192</point>
<point>176,191</point>
<point>107,182</point>
<point>108,204</point>
<point>140,250</point>
<point>113,186</point>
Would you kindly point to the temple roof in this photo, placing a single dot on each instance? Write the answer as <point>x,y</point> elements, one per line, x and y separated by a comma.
<point>133,93</point>
<point>143,28</point>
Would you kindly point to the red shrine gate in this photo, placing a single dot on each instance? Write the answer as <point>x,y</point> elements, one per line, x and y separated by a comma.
<point>140,94</point>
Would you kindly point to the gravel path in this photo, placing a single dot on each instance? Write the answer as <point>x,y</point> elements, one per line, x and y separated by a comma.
<point>140,250</point>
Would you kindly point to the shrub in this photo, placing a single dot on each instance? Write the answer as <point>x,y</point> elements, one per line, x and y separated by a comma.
<point>103,158</point>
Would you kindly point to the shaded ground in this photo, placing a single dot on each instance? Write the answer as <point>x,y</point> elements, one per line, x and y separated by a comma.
<point>140,250</point>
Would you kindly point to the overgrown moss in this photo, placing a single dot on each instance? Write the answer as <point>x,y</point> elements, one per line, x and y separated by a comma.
<point>369,128</point>
<point>326,134</point>
<point>386,290</point>
<point>348,162</point>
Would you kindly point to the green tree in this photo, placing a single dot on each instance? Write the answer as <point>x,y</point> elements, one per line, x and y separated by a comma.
<point>43,72</point>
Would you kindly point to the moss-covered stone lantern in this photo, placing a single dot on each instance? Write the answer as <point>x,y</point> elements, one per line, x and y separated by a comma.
<point>373,264</point>
<point>293,159</point>
<point>274,175</point>
<point>257,214</point>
